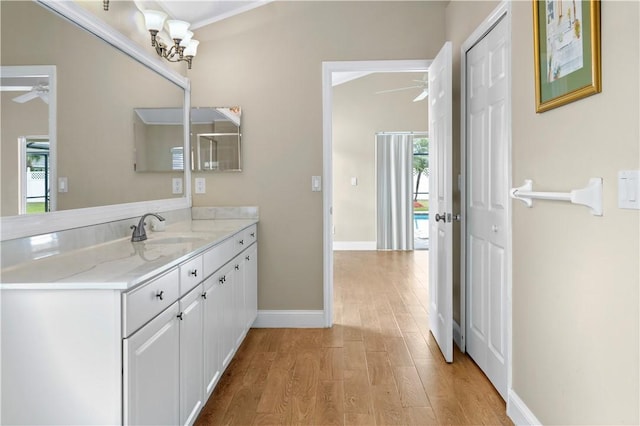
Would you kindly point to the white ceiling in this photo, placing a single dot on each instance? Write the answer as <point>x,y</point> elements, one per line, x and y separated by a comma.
<point>199,12</point>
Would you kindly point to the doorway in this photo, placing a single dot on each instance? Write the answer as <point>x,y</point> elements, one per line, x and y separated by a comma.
<point>32,109</point>
<point>331,71</point>
<point>35,176</point>
<point>486,228</point>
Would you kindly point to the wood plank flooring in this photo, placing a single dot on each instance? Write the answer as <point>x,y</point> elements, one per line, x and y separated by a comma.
<point>378,364</point>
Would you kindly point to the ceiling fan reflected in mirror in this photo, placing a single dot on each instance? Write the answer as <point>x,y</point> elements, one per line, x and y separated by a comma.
<point>38,91</point>
<point>422,84</point>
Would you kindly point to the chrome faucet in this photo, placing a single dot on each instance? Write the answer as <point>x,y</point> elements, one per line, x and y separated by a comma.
<point>139,233</point>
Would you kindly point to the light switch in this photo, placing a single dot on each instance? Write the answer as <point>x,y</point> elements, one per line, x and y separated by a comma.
<point>354,181</point>
<point>62,184</point>
<point>201,187</point>
<point>316,183</point>
<point>176,185</point>
<point>629,189</point>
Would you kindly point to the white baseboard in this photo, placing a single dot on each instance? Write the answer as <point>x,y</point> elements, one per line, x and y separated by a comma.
<point>289,319</point>
<point>518,411</point>
<point>457,336</point>
<point>354,245</point>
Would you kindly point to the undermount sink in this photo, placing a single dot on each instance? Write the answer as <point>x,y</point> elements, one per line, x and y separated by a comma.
<point>174,240</point>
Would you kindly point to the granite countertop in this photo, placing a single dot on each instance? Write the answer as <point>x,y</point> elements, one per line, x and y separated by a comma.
<point>120,264</point>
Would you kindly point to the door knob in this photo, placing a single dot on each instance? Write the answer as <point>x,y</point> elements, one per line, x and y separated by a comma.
<point>442,218</point>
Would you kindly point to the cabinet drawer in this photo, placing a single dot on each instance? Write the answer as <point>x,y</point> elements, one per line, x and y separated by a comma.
<point>250,235</point>
<point>191,274</point>
<point>145,302</point>
<point>217,256</point>
<point>241,241</point>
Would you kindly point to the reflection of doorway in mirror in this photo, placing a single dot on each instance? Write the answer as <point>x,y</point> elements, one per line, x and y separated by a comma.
<point>28,116</point>
<point>35,175</point>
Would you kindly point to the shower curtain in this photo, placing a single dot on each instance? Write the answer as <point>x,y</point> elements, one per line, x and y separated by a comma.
<point>394,191</point>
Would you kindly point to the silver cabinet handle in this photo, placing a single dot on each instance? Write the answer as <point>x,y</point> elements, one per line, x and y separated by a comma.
<point>160,295</point>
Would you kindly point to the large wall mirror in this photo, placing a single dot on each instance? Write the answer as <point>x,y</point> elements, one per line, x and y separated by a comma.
<point>216,139</point>
<point>86,150</point>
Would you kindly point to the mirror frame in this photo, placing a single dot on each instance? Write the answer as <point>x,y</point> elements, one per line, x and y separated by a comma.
<point>13,227</point>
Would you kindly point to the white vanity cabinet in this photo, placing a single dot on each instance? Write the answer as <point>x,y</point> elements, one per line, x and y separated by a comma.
<point>174,361</point>
<point>126,339</point>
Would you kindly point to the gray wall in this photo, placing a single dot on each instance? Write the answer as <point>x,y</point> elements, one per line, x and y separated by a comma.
<point>269,61</point>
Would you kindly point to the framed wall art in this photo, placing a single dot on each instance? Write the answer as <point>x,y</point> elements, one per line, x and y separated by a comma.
<point>566,51</point>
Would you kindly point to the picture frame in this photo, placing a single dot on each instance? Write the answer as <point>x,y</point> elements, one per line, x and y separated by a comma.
<point>566,51</point>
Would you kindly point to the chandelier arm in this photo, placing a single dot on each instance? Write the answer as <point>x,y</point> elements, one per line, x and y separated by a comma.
<point>175,53</point>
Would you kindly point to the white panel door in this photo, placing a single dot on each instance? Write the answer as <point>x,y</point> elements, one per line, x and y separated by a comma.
<point>487,197</point>
<point>191,375</point>
<point>440,203</point>
<point>152,370</point>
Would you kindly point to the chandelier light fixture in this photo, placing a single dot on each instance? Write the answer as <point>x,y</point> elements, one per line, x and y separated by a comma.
<point>176,43</point>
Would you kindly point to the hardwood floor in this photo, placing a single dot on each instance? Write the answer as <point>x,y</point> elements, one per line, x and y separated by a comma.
<point>378,365</point>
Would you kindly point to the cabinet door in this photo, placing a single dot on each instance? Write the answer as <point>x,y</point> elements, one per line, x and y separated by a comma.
<point>213,306</point>
<point>151,371</point>
<point>227,347</point>
<point>251,285</point>
<point>239,315</point>
<point>191,377</point>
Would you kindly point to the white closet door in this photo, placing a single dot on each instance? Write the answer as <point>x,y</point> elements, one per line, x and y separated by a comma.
<point>487,198</point>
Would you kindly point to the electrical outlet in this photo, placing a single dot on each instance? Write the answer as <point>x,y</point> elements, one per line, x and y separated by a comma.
<point>201,187</point>
<point>177,185</point>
